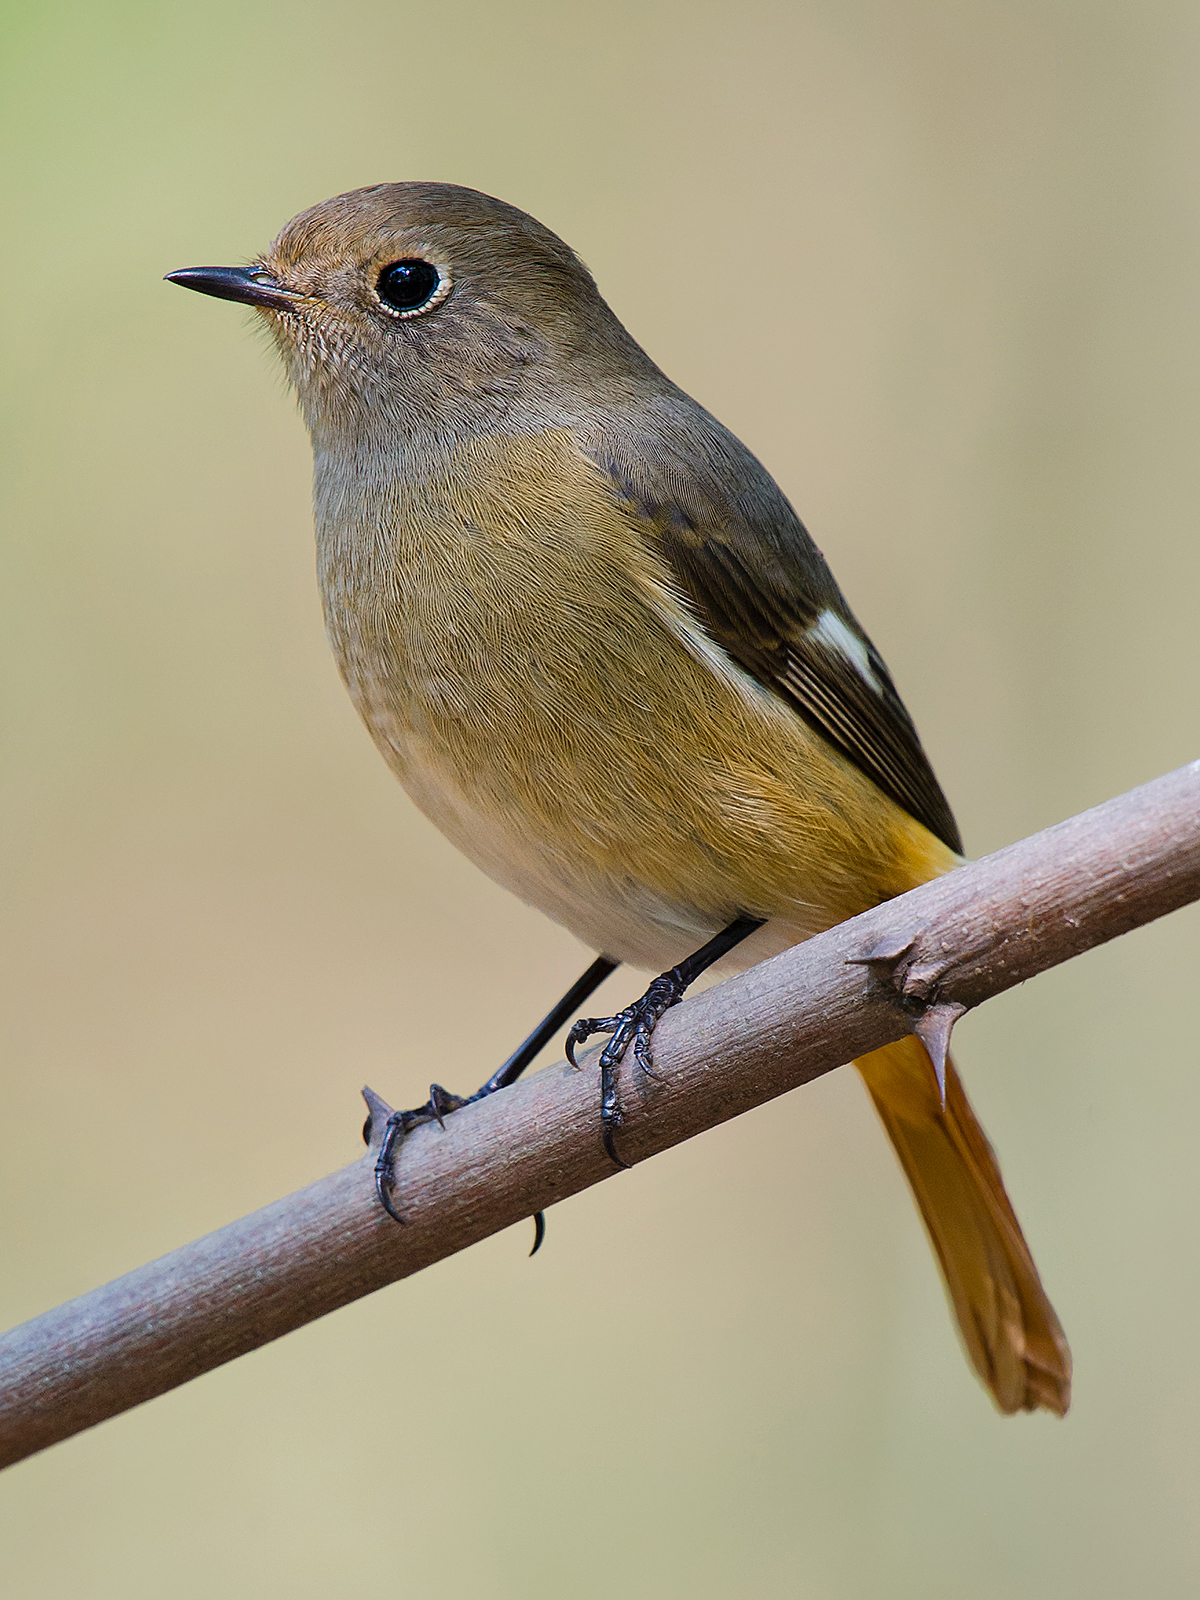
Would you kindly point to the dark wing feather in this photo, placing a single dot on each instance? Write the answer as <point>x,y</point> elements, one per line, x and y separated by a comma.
<point>745,563</point>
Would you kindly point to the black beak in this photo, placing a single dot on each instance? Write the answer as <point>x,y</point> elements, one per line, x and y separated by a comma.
<point>251,285</point>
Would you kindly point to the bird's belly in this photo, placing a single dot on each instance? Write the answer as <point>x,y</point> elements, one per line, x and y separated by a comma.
<point>646,827</point>
<point>617,913</point>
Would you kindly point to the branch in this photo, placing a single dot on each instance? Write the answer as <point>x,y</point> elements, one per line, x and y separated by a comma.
<point>912,964</point>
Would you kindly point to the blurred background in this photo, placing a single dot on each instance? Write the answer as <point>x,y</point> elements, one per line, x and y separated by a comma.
<point>936,262</point>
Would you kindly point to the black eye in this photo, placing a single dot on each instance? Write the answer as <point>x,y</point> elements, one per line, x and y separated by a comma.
<point>407,286</point>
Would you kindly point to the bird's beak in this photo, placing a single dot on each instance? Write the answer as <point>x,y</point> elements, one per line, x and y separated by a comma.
<point>251,285</point>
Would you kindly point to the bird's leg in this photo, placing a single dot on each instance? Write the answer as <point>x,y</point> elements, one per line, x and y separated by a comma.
<point>441,1102</point>
<point>637,1022</point>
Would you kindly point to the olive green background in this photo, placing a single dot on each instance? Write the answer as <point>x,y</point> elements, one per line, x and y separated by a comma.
<point>937,264</point>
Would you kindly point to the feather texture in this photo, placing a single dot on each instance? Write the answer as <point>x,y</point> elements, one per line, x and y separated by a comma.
<point>747,566</point>
<point>1009,1330</point>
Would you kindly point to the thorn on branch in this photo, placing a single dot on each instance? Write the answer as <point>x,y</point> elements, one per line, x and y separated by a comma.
<point>886,953</point>
<point>915,980</point>
<point>933,1028</point>
<point>916,985</point>
<point>378,1112</point>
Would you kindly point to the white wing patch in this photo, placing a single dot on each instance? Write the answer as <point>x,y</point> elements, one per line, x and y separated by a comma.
<point>675,610</point>
<point>835,635</point>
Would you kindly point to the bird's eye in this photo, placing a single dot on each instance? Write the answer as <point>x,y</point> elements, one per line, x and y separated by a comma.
<point>406,287</point>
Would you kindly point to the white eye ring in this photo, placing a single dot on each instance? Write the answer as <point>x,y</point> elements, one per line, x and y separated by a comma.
<point>414,279</point>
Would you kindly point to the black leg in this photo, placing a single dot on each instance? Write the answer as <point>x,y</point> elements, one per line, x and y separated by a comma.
<point>441,1102</point>
<point>637,1022</point>
<point>548,1027</point>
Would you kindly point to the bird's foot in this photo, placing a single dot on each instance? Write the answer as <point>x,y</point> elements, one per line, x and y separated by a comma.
<point>401,1123</point>
<point>398,1124</point>
<point>633,1026</point>
<point>397,1128</point>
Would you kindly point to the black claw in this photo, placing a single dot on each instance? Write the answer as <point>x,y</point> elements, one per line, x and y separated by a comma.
<point>441,1103</point>
<point>385,1202</point>
<point>611,1150</point>
<point>539,1231</point>
<point>610,1114</point>
<point>585,1028</point>
<point>393,1131</point>
<point>644,1054</point>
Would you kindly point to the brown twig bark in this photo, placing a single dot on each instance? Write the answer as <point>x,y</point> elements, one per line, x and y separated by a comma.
<point>914,964</point>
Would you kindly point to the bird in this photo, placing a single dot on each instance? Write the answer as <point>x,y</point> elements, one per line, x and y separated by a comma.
<point>595,643</point>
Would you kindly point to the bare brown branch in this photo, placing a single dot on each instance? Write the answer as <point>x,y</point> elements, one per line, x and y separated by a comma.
<point>914,964</point>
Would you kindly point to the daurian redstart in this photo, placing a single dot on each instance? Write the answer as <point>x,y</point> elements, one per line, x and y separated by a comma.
<point>596,645</point>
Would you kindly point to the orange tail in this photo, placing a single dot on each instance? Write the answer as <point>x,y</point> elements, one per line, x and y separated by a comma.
<point>1008,1326</point>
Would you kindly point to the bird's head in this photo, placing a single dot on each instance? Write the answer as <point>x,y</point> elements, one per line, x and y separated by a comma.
<point>425,306</point>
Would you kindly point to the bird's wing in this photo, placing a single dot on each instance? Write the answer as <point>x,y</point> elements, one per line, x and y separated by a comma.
<point>745,564</point>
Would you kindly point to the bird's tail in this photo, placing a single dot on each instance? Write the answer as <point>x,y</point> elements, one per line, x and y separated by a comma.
<point>1012,1336</point>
